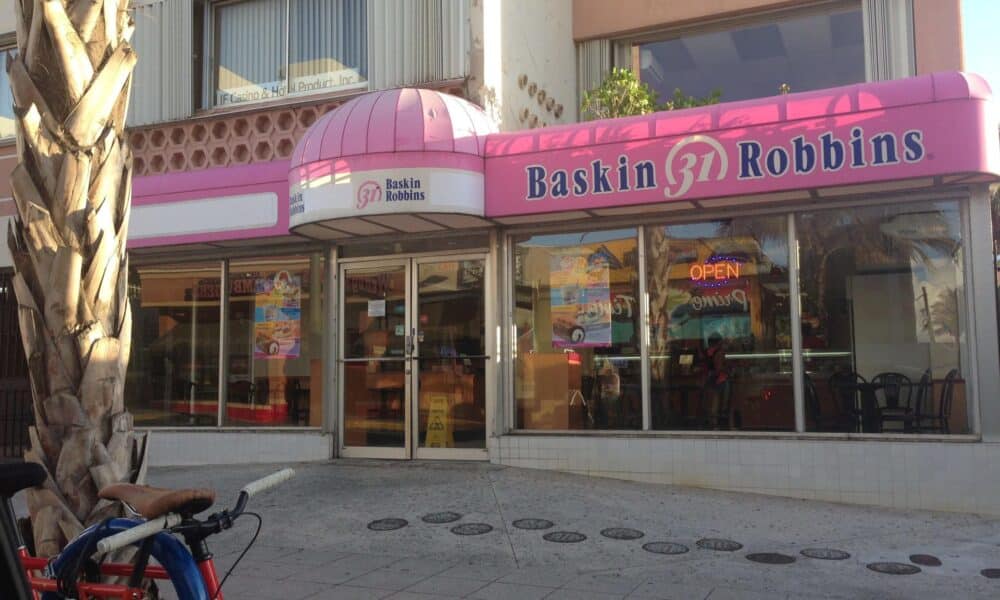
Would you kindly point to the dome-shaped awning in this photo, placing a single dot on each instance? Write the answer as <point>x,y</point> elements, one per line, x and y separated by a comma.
<point>402,160</point>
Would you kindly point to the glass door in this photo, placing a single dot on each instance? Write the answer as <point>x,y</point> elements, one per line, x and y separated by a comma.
<point>414,364</point>
<point>375,359</point>
<point>449,364</point>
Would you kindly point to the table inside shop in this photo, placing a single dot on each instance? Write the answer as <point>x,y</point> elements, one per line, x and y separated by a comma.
<point>678,412</point>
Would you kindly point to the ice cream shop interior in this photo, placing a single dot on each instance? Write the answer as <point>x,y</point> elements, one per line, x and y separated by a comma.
<point>366,247</point>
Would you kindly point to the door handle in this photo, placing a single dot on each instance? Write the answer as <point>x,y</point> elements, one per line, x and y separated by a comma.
<point>410,342</point>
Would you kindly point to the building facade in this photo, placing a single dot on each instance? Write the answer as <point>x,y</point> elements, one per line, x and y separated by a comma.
<point>366,228</point>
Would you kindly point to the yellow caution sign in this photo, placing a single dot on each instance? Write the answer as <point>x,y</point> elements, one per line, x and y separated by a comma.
<point>440,433</point>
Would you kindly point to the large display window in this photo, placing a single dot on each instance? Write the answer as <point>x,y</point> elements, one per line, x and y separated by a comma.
<point>173,372</point>
<point>879,339</point>
<point>720,342</point>
<point>884,319</point>
<point>275,342</point>
<point>577,331</point>
<point>272,322</point>
<point>7,128</point>
<point>798,52</point>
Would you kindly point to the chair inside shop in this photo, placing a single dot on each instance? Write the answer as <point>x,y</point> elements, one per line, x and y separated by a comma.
<point>896,390</point>
<point>845,388</point>
<point>937,421</point>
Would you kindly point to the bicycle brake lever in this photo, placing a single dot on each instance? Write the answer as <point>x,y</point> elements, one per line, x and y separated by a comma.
<point>220,521</point>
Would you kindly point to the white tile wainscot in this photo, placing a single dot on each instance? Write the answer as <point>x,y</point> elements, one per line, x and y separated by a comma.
<point>960,476</point>
<point>182,447</point>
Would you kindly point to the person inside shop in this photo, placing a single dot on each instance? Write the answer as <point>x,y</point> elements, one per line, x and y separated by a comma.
<point>716,387</point>
<point>810,339</point>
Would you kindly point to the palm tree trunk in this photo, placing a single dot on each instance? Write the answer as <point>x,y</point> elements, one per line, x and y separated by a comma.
<point>71,80</point>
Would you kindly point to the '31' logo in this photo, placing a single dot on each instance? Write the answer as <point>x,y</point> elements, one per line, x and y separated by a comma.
<point>368,192</point>
<point>694,167</point>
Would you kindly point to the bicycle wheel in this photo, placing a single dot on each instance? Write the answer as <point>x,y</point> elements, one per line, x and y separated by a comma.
<point>167,550</point>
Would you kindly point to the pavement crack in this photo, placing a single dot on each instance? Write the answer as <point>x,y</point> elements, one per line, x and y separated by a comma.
<point>503,521</point>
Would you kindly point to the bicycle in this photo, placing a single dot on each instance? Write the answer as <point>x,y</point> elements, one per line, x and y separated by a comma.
<point>188,565</point>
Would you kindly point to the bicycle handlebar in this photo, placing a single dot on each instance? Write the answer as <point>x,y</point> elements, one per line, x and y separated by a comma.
<point>130,536</point>
<point>265,483</point>
<point>213,524</point>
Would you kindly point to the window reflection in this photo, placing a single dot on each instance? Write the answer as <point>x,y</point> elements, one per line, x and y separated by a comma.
<point>328,44</point>
<point>374,349</point>
<point>275,370</point>
<point>270,48</point>
<point>7,129</point>
<point>451,310</point>
<point>883,319</point>
<point>250,50</point>
<point>173,373</point>
<point>796,54</point>
<point>720,341</point>
<point>577,340</point>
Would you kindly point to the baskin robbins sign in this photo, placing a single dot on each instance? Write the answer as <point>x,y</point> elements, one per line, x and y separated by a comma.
<point>744,149</point>
<point>343,193</point>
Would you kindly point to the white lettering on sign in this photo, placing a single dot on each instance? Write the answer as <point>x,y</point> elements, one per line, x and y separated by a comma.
<point>695,166</point>
<point>735,297</point>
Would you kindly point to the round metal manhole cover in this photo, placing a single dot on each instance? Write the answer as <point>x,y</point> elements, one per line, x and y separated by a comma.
<point>441,517</point>
<point>388,524</point>
<point>622,533</point>
<point>665,548</point>
<point>471,529</point>
<point>925,560</point>
<point>771,558</point>
<point>893,568</point>
<point>825,554</point>
<point>719,545</point>
<point>564,537</point>
<point>990,573</point>
<point>533,524</point>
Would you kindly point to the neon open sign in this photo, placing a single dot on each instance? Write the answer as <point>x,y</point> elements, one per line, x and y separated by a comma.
<point>714,271</point>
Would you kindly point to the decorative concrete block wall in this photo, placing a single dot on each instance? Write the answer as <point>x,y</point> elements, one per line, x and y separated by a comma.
<point>257,135</point>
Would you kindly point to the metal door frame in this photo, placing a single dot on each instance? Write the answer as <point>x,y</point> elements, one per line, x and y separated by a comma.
<point>411,424</point>
<point>371,451</point>
<point>414,383</point>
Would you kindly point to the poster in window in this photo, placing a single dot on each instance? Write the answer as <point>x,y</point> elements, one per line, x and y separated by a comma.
<point>580,300</point>
<point>277,316</point>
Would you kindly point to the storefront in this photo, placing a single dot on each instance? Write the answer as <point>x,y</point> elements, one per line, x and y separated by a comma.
<point>750,295</point>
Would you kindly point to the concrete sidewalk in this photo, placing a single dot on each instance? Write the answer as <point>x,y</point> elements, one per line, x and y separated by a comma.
<point>316,542</point>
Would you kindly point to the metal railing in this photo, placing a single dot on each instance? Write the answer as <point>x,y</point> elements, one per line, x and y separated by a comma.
<point>16,413</point>
<point>16,416</point>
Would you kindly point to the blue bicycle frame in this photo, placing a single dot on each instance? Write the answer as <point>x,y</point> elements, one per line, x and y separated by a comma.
<point>166,549</point>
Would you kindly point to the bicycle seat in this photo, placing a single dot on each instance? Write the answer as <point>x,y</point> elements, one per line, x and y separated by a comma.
<point>15,477</point>
<point>151,502</point>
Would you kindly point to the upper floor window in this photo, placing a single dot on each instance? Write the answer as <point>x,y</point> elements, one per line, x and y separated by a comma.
<point>7,129</point>
<point>818,49</point>
<point>270,48</point>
